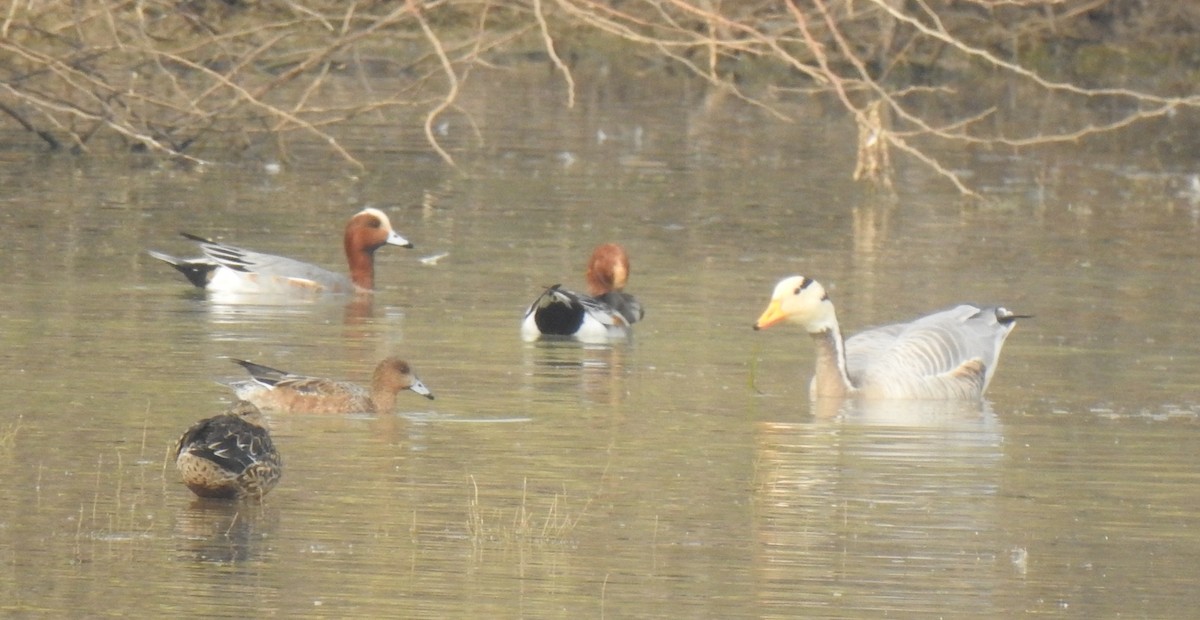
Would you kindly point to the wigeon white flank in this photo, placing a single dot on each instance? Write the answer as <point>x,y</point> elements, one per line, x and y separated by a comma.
<point>948,355</point>
<point>228,269</point>
<point>605,312</point>
<point>278,390</point>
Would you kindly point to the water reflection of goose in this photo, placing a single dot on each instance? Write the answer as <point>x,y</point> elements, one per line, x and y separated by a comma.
<point>894,505</point>
<point>950,354</point>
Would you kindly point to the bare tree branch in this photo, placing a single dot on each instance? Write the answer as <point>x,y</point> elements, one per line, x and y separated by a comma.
<point>169,75</point>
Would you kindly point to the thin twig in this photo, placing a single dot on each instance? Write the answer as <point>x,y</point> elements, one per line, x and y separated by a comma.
<point>451,91</point>
<point>548,41</point>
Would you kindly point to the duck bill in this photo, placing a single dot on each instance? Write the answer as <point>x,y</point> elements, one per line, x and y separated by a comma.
<point>394,238</point>
<point>772,315</point>
<point>420,388</point>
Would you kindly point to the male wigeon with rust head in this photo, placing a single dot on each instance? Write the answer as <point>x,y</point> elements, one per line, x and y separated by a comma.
<point>229,269</point>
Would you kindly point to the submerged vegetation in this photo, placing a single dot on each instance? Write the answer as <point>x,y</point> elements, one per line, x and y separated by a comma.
<point>528,526</point>
<point>116,512</point>
<point>8,435</point>
<point>188,78</point>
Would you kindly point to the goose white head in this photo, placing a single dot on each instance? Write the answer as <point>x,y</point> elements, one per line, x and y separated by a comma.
<point>802,301</point>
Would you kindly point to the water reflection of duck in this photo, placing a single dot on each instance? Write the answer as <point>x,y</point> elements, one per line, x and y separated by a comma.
<point>950,354</point>
<point>605,312</point>
<point>229,269</point>
<point>279,390</point>
<point>229,456</point>
<point>224,532</point>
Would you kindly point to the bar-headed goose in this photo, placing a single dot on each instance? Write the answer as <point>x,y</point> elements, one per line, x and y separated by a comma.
<point>950,354</point>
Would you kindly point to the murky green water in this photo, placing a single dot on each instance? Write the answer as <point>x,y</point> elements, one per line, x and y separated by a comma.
<point>683,474</point>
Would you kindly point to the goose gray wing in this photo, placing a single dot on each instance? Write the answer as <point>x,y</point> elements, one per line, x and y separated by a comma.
<point>949,354</point>
<point>865,346</point>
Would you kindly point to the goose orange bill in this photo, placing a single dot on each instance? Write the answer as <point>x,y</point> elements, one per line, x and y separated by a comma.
<point>772,315</point>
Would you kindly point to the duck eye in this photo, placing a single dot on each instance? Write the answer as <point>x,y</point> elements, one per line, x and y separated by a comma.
<point>798,289</point>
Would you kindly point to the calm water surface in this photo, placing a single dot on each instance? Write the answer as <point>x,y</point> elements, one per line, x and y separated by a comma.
<point>682,474</point>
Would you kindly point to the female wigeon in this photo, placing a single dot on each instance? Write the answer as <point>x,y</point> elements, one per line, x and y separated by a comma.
<point>229,269</point>
<point>229,456</point>
<point>605,312</point>
<point>278,390</point>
